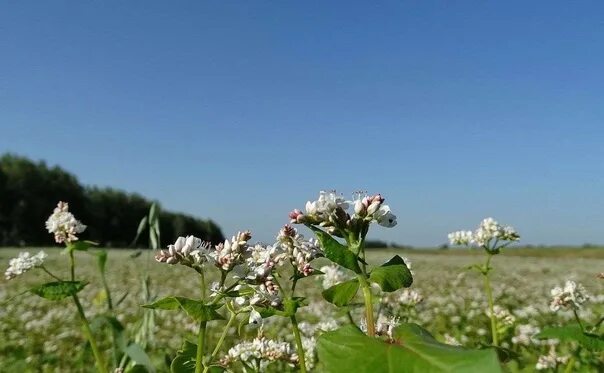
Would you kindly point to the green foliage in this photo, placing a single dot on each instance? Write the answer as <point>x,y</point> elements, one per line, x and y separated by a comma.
<point>138,355</point>
<point>392,275</point>
<point>412,350</point>
<point>59,289</point>
<point>194,308</point>
<point>342,294</point>
<point>336,252</point>
<point>571,333</point>
<point>184,362</point>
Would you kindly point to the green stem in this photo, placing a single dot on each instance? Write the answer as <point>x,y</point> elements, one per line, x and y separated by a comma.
<point>569,366</point>
<point>72,265</point>
<point>51,274</point>
<point>578,320</point>
<point>201,336</point>
<point>487,288</point>
<point>221,340</point>
<point>299,346</point>
<point>368,305</point>
<point>100,362</point>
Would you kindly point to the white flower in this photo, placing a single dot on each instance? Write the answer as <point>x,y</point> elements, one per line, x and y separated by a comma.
<point>298,250</point>
<point>409,297</point>
<point>23,263</point>
<point>460,238</point>
<point>333,275</point>
<point>385,217</point>
<point>524,334</point>
<point>63,224</point>
<point>573,295</point>
<point>255,317</point>
<point>502,315</point>
<point>551,360</point>
<point>262,349</point>
<point>385,325</point>
<point>189,251</point>
<point>450,340</point>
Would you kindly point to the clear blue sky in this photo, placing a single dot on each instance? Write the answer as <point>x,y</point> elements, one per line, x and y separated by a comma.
<point>243,110</point>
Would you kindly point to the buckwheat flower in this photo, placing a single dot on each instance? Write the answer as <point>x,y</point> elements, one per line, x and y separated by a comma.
<point>524,334</point>
<point>551,360</point>
<point>573,295</point>
<point>298,250</point>
<point>255,317</point>
<point>63,224</point>
<point>460,238</point>
<point>502,315</point>
<point>332,275</point>
<point>385,325</point>
<point>230,253</point>
<point>189,251</point>
<point>409,297</point>
<point>262,349</point>
<point>23,263</point>
<point>450,340</point>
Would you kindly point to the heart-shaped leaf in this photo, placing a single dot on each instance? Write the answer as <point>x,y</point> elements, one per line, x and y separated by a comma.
<point>194,308</point>
<point>59,289</point>
<point>341,294</point>
<point>336,252</point>
<point>590,341</point>
<point>392,275</point>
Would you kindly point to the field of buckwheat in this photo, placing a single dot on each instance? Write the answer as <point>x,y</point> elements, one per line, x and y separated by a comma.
<point>324,304</point>
<point>447,299</point>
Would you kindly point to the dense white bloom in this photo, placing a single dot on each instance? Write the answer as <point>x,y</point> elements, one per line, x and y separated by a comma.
<point>551,360</point>
<point>298,250</point>
<point>489,234</point>
<point>23,263</point>
<point>333,275</point>
<point>409,297</point>
<point>460,238</point>
<point>63,224</point>
<point>524,334</point>
<point>385,325</point>
<point>190,251</point>
<point>262,349</point>
<point>572,295</point>
<point>502,315</point>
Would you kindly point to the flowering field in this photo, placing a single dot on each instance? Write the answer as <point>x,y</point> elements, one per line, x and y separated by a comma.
<point>445,298</point>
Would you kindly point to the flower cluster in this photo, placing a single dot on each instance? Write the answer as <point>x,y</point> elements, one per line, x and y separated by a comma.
<point>23,263</point>
<point>551,360</point>
<point>63,224</point>
<point>190,251</point>
<point>489,235</point>
<point>384,326</point>
<point>261,348</point>
<point>573,295</point>
<point>524,334</point>
<point>502,315</point>
<point>332,275</point>
<point>330,210</point>
<point>299,251</point>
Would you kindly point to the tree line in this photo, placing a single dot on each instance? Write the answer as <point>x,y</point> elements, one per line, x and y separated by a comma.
<point>29,191</point>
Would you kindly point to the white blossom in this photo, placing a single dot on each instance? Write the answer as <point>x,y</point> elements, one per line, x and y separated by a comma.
<point>333,275</point>
<point>551,360</point>
<point>573,295</point>
<point>190,251</point>
<point>524,334</point>
<point>262,349</point>
<point>23,263</point>
<point>63,224</point>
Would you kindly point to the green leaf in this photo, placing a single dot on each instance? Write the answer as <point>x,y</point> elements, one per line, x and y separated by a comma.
<point>291,305</point>
<point>139,230</point>
<point>102,260</point>
<point>392,275</point>
<point>137,369</point>
<point>59,289</point>
<point>194,308</point>
<point>184,362</point>
<point>139,356</point>
<point>153,213</point>
<point>336,252</point>
<point>80,245</point>
<point>573,332</point>
<point>413,350</point>
<point>341,294</point>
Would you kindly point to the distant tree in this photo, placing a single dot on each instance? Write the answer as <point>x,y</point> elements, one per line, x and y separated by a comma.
<point>29,191</point>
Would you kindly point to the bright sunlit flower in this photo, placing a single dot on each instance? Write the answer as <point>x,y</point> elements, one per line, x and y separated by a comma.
<point>63,224</point>
<point>23,263</point>
<point>262,349</point>
<point>490,235</point>
<point>573,295</point>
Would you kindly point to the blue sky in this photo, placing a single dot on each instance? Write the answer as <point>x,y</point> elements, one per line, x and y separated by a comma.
<point>243,110</point>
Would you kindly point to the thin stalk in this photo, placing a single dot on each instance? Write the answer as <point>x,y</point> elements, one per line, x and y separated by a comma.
<point>51,274</point>
<point>487,288</point>
<point>72,265</point>
<point>569,366</point>
<point>368,305</point>
<point>578,320</point>
<point>100,362</point>
<point>221,340</point>
<point>201,335</point>
<point>299,346</point>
